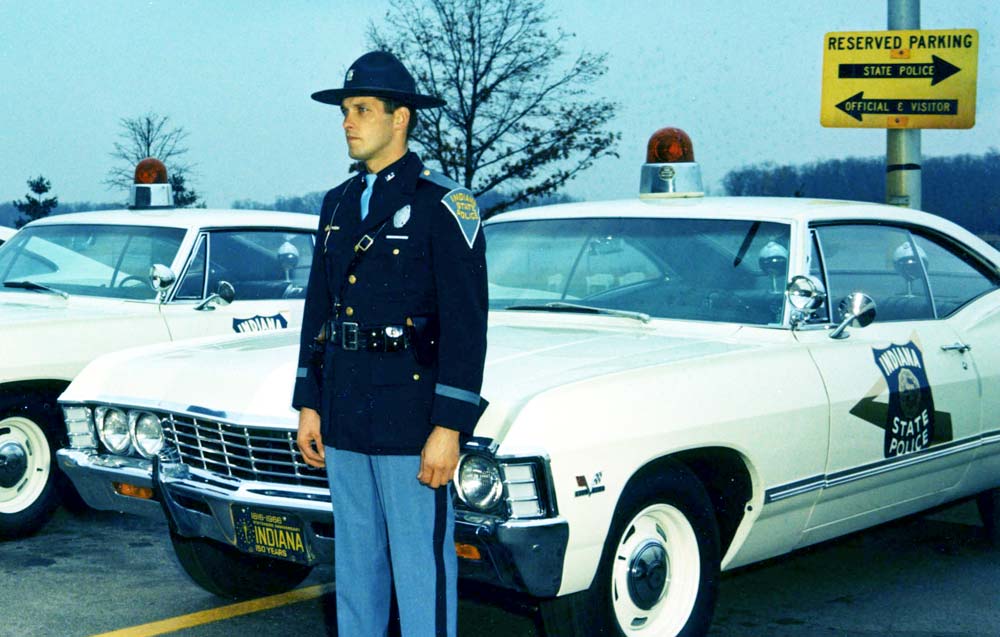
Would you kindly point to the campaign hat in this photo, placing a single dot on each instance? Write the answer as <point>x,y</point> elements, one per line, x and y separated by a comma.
<point>379,74</point>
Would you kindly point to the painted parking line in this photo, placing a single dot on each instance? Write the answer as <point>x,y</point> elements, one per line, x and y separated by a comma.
<point>200,618</point>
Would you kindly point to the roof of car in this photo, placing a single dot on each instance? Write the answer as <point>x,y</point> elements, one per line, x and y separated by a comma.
<point>780,209</point>
<point>185,218</point>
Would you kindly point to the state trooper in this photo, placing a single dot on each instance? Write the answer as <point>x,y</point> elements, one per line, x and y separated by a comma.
<point>391,358</point>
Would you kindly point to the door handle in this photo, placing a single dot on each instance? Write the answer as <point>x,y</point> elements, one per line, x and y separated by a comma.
<point>960,347</point>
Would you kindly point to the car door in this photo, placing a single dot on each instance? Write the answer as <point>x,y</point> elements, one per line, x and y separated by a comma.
<point>268,270</point>
<point>904,394</point>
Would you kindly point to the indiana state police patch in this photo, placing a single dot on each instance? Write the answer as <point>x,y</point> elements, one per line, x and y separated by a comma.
<point>910,421</point>
<point>462,205</point>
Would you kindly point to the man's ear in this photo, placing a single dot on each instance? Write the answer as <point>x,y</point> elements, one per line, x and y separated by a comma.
<point>401,117</point>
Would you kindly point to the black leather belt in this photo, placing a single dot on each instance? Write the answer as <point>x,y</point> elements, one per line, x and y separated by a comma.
<point>369,338</point>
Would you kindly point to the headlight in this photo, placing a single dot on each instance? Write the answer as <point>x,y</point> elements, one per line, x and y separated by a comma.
<point>146,432</point>
<point>479,484</point>
<point>112,426</point>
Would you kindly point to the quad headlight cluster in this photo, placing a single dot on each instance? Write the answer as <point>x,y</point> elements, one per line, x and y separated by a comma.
<point>513,488</point>
<point>121,431</point>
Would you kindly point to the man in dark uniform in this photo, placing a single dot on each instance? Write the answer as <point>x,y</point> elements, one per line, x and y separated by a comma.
<point>391,359</point>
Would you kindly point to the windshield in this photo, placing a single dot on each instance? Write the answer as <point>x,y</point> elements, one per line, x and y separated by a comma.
<point>91,260</point>
<point>695,269</point>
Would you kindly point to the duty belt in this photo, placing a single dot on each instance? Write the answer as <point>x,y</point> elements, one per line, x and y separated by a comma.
<point>370,338</point>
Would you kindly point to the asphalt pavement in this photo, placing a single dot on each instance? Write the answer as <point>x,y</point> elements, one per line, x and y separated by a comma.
<point>95,573</point>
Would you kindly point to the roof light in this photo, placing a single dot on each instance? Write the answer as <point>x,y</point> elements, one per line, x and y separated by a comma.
<point>669,145</point>
<point>670,169</point>
<point>151,188</point>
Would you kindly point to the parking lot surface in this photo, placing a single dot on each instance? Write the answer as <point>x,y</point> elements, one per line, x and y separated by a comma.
<point>94,573</point>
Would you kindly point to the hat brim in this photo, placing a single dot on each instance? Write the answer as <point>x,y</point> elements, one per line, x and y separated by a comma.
<point>336,95</point>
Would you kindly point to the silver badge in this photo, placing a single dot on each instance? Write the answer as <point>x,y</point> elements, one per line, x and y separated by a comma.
<point>350,75</point>
<point>401,217</point>
<point>393,332</point>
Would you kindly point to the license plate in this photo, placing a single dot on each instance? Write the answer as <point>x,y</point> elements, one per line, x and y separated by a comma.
<point>270,534</point>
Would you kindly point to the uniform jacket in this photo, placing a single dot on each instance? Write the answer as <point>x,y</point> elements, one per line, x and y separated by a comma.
<point>427,261</point>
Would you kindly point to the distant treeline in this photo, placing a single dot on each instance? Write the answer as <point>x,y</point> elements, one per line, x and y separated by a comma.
<point>312,202</point>
<point>9,214</point>
<point>963,188</point>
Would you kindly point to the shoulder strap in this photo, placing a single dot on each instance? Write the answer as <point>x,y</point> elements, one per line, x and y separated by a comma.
<point>361,246</point>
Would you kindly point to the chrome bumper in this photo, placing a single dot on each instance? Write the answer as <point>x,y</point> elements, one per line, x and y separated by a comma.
<point>524,556</point>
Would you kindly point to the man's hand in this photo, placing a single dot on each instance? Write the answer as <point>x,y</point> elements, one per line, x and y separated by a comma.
<point>438,458</point>
<point>309,439</point>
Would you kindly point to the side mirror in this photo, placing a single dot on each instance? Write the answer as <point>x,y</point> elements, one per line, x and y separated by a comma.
<point>806,295</point>
<point>856,310</point>
<point>223,296</point>
<point>161,278</point>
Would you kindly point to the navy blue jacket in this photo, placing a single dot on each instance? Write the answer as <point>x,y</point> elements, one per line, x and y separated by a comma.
<point>427,260</point>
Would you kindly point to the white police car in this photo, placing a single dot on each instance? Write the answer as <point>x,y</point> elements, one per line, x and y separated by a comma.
<point>5,234</point>
<point>75,286</point>
<point>677,384</point>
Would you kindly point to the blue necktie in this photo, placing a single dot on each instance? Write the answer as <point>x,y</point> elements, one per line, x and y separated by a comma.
<point>366,196</point>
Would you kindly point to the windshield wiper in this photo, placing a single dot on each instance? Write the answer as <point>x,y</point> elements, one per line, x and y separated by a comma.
<point>31,285</point>
<point>559,306</point>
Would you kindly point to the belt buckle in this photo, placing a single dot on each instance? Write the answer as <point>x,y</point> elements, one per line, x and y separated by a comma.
<point>349,336</point>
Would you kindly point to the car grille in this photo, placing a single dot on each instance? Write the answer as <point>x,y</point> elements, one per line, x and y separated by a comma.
<point>245,453</point>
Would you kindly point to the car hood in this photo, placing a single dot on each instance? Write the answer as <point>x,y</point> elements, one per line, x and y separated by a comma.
<point>29,307</point>
<point>249,379</point>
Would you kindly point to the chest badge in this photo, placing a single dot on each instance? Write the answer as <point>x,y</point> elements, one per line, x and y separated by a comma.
<point>401,217</point>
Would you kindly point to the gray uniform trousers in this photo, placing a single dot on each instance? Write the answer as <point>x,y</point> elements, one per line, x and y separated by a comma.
<point>389,528</point>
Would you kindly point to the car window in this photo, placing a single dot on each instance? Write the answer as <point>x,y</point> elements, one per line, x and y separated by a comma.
<point>90,259</point>
<point>956,277</point>
<point>821,315</point>
<point>260,264</point>
<point>697,269</point>
<point>881,261</point>
<point>192,286</point>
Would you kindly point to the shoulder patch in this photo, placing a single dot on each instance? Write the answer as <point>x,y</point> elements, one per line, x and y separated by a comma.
<point>461,203</point>
<point>438,179</point>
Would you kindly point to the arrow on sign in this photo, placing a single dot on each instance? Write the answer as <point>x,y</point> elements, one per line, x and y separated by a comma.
<point>856,106</point>
<point>938,70</point>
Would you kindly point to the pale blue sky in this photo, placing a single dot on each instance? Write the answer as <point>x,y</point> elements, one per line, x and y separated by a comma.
<point>742,78</point>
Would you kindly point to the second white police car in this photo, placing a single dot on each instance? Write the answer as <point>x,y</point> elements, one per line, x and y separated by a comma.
<point>75,286</point>
<point>678,385</point>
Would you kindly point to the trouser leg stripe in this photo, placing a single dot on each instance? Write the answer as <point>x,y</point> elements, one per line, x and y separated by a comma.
<point>440,589</point>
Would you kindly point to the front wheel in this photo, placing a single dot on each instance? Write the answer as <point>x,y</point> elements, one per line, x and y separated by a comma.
<point>224,571</point>
<point>28,494</point>
<point>658,575</point>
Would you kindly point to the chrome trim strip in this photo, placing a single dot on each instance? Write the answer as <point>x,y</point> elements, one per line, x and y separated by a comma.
<point>252,421</point>
<point>825,481</point>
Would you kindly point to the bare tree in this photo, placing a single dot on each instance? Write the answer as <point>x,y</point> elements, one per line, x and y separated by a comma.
<point>519,120</point>
<point>151,135</point>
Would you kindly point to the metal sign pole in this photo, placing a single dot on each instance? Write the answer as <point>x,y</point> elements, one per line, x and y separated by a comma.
<point>902,179</point>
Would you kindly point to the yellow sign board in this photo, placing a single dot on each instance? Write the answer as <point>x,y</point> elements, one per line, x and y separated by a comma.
<point>900,79</point>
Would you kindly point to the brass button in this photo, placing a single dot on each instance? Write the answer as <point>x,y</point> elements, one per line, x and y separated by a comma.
<point>352,279</point>
<point>427,172</point>
<point>416,377</point>
<point>395,251</point>
<point>349,311</point>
